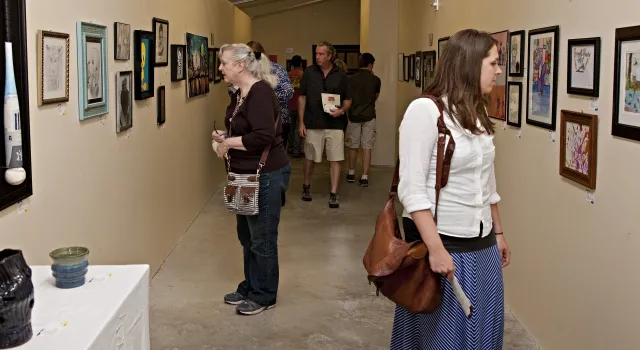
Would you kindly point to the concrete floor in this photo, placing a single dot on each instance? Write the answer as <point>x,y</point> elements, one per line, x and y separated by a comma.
<point>324,302</point>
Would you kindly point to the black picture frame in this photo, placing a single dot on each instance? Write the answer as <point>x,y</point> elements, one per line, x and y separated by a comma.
<point>442,44</point>
<point>175,50</point>
<point>216,71</point>
<point>571,60</point>
<point>517,58</point>
<point>12,194</point>
<point>553,94</point>
<point>429,59</point>
<point>407,68</point>
<point>417,76</point>
<point>618,127</point>
<point>138,36</point>
<point>162,105</point>
<point>211,64</point>
<point>518,102</point>
<point>154,22</point>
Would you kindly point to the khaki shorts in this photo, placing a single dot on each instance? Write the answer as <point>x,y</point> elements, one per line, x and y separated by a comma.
<point>361,134</point>
<point>319,140</point>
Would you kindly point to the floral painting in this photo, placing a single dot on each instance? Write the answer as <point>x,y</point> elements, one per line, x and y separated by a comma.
<point>577,148</point>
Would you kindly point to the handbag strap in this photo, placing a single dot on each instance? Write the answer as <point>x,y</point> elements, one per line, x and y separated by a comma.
<point>443,163</point>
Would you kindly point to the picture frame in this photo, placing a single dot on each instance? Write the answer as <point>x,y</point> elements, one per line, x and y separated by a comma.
<point>499,98</point>
<point>161,40</point>
<point>442,43</point>
<point>212,63</point>
<point>579,147</point>
<point>124,100</point>
<point>143,57</point>
<point>412,66</point>
<point>218,74</point>
<point>93,86</point>
<point>583,67</point>
<point>542,93</point>
<point>121,41</point>
<point>162,110</point>
<point>428,67</point>
<point>626,84</point>
<point>407,68</point>
<point>52,67</point>
<point>401,67</point>
<point>178,55</point>
<point>516,50</point>
<point>197,76</point>
<point>514,112</point>
<point>418,69</point>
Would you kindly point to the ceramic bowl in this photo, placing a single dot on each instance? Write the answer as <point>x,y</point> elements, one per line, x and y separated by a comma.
<point>69,255</point>
<point>70,265</point>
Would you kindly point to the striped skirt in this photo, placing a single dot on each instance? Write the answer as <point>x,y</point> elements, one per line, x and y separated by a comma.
<point>480,275</point>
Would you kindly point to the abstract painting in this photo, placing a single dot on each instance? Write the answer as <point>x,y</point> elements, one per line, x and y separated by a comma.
<point>626,84</point>
<point>578,147</point>
<point>161,37</point>
<point>516,49</point>
<point>143,56</point>
<point>515,103</point>
<point>178,54</point>
<point>124,100</point>
<point>122,41</point>
<point>583,71</point>
<point>197,65</point>
<point>498,105</point>
<point>93,90</point>
<point>542,78</point>
<point>53,67</point>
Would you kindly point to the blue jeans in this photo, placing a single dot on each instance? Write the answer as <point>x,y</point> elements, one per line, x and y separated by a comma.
<point>258,235</point>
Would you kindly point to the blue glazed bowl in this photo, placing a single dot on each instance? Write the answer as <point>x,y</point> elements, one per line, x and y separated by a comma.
<point>70,266</point>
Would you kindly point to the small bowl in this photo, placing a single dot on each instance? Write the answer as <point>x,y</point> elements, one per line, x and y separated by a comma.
<point>70,265</point>
<point>69,255</point>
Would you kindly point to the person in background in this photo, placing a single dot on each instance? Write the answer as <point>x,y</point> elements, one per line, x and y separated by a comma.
<point>364,89</point>
<point>340,64</point>
<point>323,131</point>
<point>295,75</point>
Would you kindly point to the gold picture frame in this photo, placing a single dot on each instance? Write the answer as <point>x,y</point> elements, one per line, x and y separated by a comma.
<point>53,67</point>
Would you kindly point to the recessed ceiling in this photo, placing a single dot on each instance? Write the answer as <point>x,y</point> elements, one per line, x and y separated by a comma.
<point>262,8</point>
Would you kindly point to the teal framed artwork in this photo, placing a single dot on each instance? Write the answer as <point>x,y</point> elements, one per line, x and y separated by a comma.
<point>93,88</point>
<point>143,61</point>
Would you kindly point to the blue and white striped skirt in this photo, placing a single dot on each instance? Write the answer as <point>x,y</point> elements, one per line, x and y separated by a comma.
<point>480,275</point>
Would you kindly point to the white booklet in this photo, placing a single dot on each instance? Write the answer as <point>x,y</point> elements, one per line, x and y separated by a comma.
<point>330,101</point>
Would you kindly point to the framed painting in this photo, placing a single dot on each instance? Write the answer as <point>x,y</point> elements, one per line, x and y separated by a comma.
<point>53,67</point>
<point>161,37</point>
<point>212,64</point>
<point>542,78</point>
<point>516,52</point>
<point>498,104</point>
<point>583,67</point>
<point>124,100</point>
<point>626,84</point>
<point>122,41</point>
<point>197,65</point>
<point>428,67</point>
<point>579,147</point>
<point>162,110</point>
<point>178,53</point>
<point>514,89</point>
<point>442,43</point>
<point>93,88</point>
<point>216,66</point>
<point>143,56</point>
<point>418,69</point>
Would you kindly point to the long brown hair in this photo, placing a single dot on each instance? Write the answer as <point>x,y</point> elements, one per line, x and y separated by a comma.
<point>457,77</point>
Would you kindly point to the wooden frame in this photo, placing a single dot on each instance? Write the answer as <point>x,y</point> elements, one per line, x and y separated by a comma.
<point>160,43</point>
<point>588,59</point>
<point>42,65</point>
<point>626,87</point>
<point>93,65</point>
<point>120,127</point>
<point>162,105</point>
<point>121,31</point>
<point>548,66</point>
<point>579,147</point>
<point>143,64</point>
<point>516,53</point>
<point>514,104</point>
<point>15,12</point>
<point>178,60</point>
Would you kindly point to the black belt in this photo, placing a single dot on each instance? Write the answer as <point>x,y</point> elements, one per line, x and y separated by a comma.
<point>451,244</point>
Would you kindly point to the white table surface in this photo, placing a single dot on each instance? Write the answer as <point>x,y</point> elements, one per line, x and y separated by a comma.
<point>110,311</point>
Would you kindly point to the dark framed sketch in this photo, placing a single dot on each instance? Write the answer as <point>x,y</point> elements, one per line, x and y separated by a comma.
<point>407,68</point>
<point>53,67</point>
<point>579,147</point>
<point>514,90</point>
<point>542,77</point>
<point>161,37</point>
<point>124,100</point>
<point>442,43</point>
<point>212,64</point>
<point>583,67</point>
<point>93,87</point>
<point>16,119</point>
<point>626,84</point>
<point>178,53</point>
<point>217,74</point>
<point>516,50</point>
<point>412,66</point>
<point>162,110</point>
<point>122,41</point>
<point>418,69</point>
<point>498,105</point>
<point>400,67</point>
<point>428,67</point>
<point>143,56</point>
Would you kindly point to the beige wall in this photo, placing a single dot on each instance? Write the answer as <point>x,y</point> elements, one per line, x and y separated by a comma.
<point>337,21</point>
<point>365,9</point>
<point>127,198</point>
<point>574,275</point>
<point>242,27</point>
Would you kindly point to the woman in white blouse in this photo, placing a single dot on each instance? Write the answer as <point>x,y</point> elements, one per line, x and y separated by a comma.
<point>468,239</point>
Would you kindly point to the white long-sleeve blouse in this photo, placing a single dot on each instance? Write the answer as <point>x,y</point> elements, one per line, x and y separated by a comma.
<point>465,202</point>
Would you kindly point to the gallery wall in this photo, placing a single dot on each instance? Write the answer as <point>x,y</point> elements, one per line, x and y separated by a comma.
<point>337,21</point>
<point>128,197</point>
<point>574,270</point>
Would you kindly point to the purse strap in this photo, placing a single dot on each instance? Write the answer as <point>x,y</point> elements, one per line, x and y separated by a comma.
<point>443,158</point>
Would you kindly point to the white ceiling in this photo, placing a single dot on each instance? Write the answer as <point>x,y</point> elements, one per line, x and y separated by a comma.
<point>262,8</point>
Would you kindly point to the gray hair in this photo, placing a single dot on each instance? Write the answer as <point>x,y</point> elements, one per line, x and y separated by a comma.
<point>257,63</point>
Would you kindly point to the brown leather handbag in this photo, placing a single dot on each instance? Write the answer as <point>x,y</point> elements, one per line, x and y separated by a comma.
<point>400,270</point>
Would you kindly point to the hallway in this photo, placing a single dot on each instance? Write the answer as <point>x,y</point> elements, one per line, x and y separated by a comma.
<point>325,301</point>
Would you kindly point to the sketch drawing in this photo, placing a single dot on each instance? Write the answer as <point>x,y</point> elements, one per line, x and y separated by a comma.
<point>123,41</point>
<point>161,37</point>
<point>515,54</point>
<point>94,71</point>
<point>180,64</point>
<point>124,110</point>
<point>53,67</point>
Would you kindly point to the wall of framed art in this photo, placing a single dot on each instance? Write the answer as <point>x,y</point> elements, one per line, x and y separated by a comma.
<point>566,163</point>
<point>113,182</point>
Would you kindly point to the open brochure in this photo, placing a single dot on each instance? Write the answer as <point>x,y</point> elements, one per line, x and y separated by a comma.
<point>330,102</point>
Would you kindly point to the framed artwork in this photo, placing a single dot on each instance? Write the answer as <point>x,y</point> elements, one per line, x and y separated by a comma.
<point>212,64</point>
<point>143,56</point>
<point>412,66</point>
<point>442,43</point>
<point>350,54</point>
<point>498,105</point>
<point>124,100</point>
<point>216,66</point>
<point>161,37</point>
<point>626,84</point>
<point>407,68</point>
<point>197,65</point>
<point>428,67</point>
<point>514,89</point>
<point>418,69</point>
<point>178,53</point>
<point>53,67</point>
<point>400,67</point>
<point>122,41</point>
<point>93,88</point>
<point>162,110</point>
<point>542,78</point>
<point>583,67</point>
<point>516,53</point>
<point>579,147</point>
